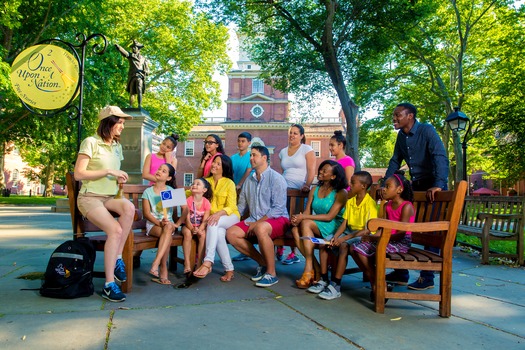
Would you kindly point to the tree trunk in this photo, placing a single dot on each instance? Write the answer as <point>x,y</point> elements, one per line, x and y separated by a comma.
<point>49,180</point>
<point>2,159</point>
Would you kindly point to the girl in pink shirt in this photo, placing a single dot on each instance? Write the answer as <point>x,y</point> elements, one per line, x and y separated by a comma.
<point>199,207</point>
<point>166,154</point>
<point>398,193</point>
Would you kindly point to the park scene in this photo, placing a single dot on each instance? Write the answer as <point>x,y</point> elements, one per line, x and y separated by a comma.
<point>174,172</point>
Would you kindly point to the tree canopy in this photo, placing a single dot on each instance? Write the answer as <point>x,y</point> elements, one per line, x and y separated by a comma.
<point>184,50</point>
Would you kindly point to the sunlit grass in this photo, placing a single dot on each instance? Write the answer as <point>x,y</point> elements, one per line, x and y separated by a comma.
<point>26,200</point>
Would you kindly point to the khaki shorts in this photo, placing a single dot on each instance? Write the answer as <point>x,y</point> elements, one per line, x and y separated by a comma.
<point>89,201</point>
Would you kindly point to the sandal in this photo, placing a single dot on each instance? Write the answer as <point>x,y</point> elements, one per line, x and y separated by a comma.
<point>161,280</point>
<point>154,273</point>
<point>307,279</point>
<point>201,275</point>
<point>227,277</point>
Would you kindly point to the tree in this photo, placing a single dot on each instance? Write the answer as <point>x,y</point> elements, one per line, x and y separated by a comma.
<point>309,45</point>
<point>448,59</point>
<point>184,49</point>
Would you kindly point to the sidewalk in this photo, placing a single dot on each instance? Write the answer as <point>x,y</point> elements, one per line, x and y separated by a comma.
<point>488,306</point>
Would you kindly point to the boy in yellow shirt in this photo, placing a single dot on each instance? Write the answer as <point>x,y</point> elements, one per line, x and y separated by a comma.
<point>358,210</point>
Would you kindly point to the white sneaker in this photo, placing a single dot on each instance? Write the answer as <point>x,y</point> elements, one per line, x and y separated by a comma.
<point>317,287</point>
<point>330,293</point>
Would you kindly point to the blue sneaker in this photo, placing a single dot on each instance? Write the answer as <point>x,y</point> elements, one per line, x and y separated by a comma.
<point>120,271</point>
<point>112,293</point>
<point>259,273</point>
<point>398,277</point>
<point>267,281</point>
<point>240,257</point>
<point>291,259</point>
<point>422,283</point>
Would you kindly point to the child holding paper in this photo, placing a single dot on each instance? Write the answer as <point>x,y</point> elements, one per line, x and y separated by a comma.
<point>160,220</point>
<point>199,207</point>
<point>358,210</point>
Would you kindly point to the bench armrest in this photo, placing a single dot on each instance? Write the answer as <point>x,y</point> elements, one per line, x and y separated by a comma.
<point>374,224</point>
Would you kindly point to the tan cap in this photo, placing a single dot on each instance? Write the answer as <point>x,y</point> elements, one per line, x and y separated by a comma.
<point>112,110</point>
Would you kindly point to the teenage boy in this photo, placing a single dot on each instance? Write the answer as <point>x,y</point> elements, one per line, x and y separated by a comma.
<point>241,159</point>
<point>358,210</point>
<point>241,170</point>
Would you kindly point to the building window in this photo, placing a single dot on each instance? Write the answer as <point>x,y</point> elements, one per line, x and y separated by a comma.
<point>257,86</point>
<point>188,179</point>
<point>316,145</point>
<point>189,148</point>
<point>16,177</point>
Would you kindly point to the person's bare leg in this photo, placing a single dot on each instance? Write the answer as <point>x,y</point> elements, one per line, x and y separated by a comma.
<point>263,231</point>
<point>237,238</point>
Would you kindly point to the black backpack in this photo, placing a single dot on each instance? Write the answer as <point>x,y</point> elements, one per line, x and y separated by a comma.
<point>69,272</point>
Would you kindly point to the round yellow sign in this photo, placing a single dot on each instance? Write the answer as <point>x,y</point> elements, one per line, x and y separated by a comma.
<point>45,76</point>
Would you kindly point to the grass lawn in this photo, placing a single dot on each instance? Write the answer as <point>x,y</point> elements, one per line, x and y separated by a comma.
<point>497,246</point>
<point>26,200</point>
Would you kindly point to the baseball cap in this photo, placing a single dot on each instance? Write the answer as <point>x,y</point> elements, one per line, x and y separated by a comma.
<point>112,110</point>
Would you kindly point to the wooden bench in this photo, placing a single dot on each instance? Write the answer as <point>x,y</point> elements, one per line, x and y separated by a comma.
<point>137,239</point>
<point>435,225</point>
<point>494,218</point>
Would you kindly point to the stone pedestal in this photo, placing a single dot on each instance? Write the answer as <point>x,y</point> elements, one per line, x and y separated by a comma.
<point>136,142</point>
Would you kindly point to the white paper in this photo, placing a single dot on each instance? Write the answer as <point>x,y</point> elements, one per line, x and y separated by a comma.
<point>173,198</point>
<point>316,240</point>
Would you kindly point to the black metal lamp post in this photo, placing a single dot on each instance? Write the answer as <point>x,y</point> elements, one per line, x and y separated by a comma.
<point>458,121</point>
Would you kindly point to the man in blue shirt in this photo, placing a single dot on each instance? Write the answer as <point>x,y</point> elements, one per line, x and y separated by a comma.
<point>421,148</point>
<point>263,196</point>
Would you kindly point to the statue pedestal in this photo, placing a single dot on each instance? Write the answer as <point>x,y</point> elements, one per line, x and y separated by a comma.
<point>136,142</point>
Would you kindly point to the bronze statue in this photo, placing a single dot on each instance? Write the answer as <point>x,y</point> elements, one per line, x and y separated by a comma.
<point>138,70</point>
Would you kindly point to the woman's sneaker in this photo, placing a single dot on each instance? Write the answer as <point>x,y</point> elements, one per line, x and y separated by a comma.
<point>120,271</point>
<point>291,259</point>
<point>317,287</point>
<point>113,293</point>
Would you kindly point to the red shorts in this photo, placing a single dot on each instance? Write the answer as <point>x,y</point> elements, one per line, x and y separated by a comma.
<point>279,226</point>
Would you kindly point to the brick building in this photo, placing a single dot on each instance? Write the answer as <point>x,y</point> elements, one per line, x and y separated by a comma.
<point>259,109</point>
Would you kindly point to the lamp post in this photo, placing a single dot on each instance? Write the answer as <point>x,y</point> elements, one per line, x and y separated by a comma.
<point>458,121</point>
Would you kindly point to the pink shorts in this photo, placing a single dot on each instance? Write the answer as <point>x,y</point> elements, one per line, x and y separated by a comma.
<point>279,226</point>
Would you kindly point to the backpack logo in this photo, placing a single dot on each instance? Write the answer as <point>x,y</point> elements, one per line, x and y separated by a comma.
<point>62,271</point>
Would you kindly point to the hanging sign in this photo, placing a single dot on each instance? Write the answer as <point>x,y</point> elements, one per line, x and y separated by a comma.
<point>45,76</point>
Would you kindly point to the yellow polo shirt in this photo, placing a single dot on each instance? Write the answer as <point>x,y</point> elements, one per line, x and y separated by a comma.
<point>101,156</point>
<point>358,215</point>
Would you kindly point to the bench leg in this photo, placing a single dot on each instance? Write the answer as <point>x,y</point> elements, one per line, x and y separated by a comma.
<point>127,257</point>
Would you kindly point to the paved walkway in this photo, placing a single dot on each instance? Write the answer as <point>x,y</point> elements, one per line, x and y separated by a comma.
<point>488,306</point>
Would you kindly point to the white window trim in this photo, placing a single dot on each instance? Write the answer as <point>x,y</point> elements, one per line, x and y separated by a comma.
<point>191,175</point>
<point>316,148</point>
<point>257,86</point>
<point>192,148</point>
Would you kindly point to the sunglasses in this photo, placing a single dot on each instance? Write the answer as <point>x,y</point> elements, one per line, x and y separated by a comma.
<point>209,142</point>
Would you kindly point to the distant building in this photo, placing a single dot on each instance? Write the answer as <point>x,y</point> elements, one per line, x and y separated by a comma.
<point>255,107</point>
<point>15,180</point>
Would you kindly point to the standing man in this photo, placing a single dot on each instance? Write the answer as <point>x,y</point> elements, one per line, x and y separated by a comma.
<point>264,196</point>
<point>241,170</point>
<point>138,70</point>
<point>419,145</point>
